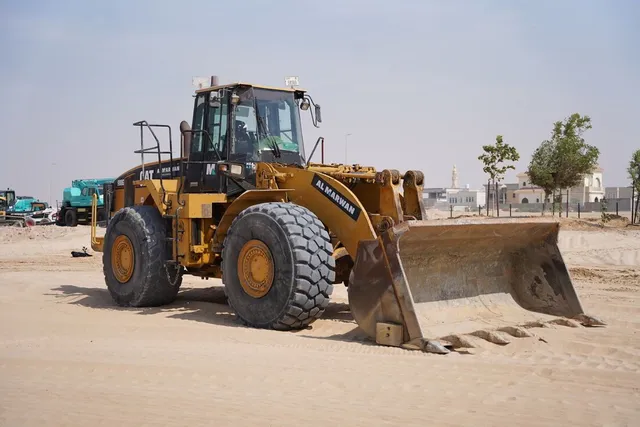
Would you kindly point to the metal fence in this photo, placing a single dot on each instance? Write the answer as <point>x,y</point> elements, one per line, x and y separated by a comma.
<point>620,207</point>
<point>610,206</point>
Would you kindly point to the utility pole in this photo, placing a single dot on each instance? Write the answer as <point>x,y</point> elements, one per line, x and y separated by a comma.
<point>346,142</point>
<point>50,177</point>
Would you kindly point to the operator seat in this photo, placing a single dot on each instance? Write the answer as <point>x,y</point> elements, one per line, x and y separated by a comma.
<point>243,140</point>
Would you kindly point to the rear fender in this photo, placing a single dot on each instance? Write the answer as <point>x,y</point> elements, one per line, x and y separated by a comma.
<point>150,192</point>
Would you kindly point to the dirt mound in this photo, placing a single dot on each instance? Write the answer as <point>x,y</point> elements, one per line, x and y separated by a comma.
<point>436,214</point>
<point>626,276</point>
<point>20,234</point>
<point>612,221</point>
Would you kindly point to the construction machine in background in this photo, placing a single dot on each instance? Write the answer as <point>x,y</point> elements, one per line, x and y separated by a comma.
<point>76,202</point>
<point>8,215</point>
<point>30,211</point>
<point>245,204</point>
<point>3,210</point>
<point>7,199</point>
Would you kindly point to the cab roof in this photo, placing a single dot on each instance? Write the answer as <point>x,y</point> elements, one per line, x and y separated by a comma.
<point>236,84</point>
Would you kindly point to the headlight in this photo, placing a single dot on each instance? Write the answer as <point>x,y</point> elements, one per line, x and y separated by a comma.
<point>230,168</point>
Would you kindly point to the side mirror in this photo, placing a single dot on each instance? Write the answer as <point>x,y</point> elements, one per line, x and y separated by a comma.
<point>318,115</point>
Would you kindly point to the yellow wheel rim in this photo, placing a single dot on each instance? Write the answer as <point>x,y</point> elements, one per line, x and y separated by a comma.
<point>122,259</point>
<point>255,268</point>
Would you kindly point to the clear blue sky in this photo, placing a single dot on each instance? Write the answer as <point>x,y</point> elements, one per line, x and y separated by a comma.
<point>419,84</point>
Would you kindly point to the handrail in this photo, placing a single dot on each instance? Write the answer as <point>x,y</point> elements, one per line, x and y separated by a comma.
<point>97,243</point>
<point>314,150</point>
<point>142,124</point>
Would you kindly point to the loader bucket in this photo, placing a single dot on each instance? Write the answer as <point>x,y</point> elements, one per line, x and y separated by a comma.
<point>443,279</point>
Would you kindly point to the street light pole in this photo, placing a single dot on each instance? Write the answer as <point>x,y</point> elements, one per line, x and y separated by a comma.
<point>50,176</point>
<point>345,147</point>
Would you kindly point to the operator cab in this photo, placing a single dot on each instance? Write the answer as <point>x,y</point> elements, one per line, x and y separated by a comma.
<point>236,126</point>
<point>8,198</point>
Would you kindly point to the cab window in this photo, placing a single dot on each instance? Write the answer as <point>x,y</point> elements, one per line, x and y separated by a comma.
<point>198,124</point>
<point>217,127</point>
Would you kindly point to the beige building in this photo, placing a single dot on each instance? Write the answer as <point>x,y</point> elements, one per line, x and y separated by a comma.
<point>445,198</point>
<point>506,193</point>
<point>591,190</point>
<point>454,197</point>
<point>526,192</point>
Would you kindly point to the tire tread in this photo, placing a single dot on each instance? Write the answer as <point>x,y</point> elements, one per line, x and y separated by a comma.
<point>157,290</point>
<point>313,259</point>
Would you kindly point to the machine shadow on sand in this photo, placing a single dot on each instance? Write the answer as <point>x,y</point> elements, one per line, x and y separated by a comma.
<point>208,305</point>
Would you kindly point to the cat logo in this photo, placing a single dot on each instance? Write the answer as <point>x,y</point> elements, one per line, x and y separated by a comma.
<point>146,174</point>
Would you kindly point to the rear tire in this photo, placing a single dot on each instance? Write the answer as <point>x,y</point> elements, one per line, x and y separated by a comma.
<point>70,218</point>
<point>134,259</point>
<point>303,269</point>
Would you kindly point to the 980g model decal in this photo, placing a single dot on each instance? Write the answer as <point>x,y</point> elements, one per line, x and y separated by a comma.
<point>166,169</point>
<point>338,199</point>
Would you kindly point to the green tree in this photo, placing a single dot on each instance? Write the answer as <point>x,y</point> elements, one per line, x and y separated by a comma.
<point>563,160</point>
<point>634,169</point>
<point>540,169</point>
<point>494,160</point>
<point>573,157</point>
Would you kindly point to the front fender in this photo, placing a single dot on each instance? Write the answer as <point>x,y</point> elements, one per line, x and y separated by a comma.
<point>332,202</point>
<point>246,199</point>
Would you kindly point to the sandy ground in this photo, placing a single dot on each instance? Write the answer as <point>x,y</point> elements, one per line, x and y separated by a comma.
<point>70,357</point>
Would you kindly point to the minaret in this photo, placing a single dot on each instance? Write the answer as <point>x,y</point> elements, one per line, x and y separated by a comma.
<point>454,177</point>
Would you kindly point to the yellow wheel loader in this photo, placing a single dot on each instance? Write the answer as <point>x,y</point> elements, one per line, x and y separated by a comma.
<point>244,203</point>
<point>3,211</point>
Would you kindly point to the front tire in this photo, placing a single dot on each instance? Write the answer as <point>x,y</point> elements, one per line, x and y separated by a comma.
<point>134,259</point>
<point>277,266</point>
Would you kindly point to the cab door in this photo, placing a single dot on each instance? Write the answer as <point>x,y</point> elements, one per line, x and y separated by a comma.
<point>210,121</point>
<point>194,164</point>
<point>217,122</point>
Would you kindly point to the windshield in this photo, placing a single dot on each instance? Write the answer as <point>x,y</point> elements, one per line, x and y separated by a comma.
<point>267,127</point>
